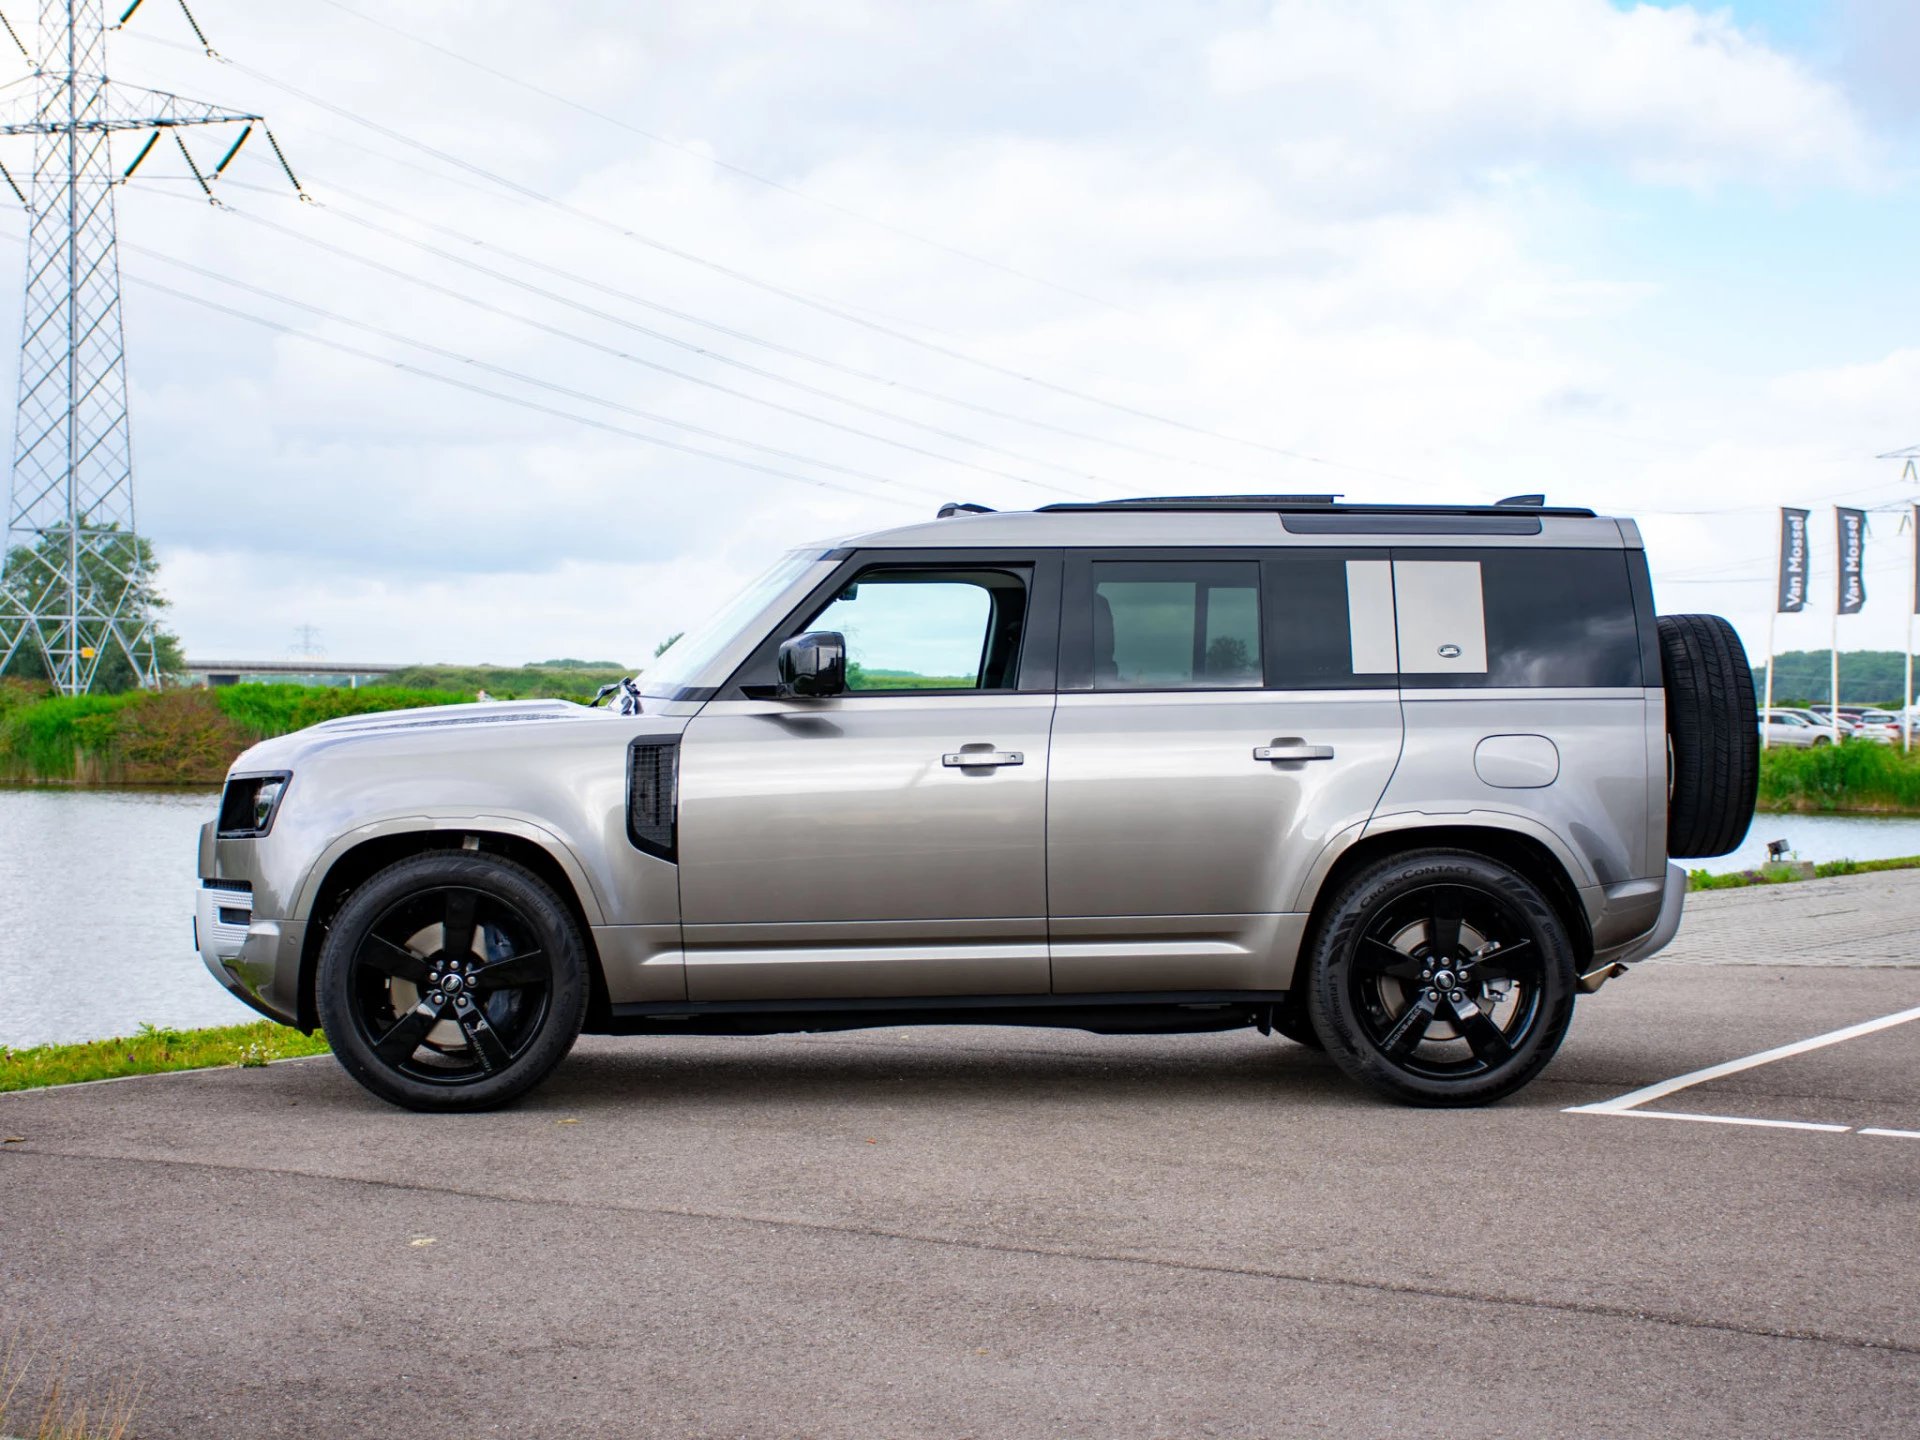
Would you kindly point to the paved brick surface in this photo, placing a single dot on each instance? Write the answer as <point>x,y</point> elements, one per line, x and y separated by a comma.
<point>1871,920</point>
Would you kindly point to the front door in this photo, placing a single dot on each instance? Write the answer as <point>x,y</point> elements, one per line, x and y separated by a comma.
<point>1221,718</point>
<point>889,841</point>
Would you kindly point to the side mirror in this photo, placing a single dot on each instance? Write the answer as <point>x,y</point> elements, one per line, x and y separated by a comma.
<point>814,665</point>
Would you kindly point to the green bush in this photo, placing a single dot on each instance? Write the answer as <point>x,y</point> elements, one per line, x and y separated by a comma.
<point>1853,775</point>
<point>48,739</point>
<point>267,710</point>
<point>508,682</point>
<point>173,737</point>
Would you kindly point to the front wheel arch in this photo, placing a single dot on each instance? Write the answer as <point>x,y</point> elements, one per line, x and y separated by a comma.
<point>355,867</point>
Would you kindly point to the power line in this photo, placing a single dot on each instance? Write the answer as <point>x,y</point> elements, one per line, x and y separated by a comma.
<point>784,292</point>
<point>518,376</point>
<point>505,398</point>
<point>576,338</point>
<point>776,347</point>
<point>726,165</point>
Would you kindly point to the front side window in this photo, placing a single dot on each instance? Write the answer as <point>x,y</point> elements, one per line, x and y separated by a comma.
<point>912,630</point>
<point>1176,625</point>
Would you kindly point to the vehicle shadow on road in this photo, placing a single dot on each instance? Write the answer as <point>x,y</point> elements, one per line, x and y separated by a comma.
<point>922,1072</point>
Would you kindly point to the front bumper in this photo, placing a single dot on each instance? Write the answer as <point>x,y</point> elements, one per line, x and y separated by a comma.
<point>258,961</point>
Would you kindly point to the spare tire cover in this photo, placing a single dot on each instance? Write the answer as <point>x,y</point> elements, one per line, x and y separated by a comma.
<point>1713,735</point>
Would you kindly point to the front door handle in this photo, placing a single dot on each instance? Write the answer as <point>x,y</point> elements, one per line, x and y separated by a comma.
<point>1293,750</point>
<point>969,759</point>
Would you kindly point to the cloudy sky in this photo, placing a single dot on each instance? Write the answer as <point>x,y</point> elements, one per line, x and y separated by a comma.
<point>862,257</point>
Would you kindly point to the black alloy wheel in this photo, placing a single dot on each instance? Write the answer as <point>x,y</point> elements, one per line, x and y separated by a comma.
<point>452,981</point>
<point>1442,978</point>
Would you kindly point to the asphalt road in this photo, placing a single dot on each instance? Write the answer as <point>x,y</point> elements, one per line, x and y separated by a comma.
<point>1006,1233</point>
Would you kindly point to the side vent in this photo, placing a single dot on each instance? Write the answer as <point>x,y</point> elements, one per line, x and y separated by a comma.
<point>653,796</point>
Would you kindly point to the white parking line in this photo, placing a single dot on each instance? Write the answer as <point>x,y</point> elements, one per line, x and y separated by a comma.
<point>1726,1120</point>
<point>1630,1103</point>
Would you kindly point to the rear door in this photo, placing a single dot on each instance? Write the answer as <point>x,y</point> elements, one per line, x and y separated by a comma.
<point>1221,717</point>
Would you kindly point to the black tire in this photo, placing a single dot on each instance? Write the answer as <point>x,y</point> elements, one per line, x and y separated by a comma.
<point>1408,921</point>
<point>1818,741</point>
<point>1290,1019</point>
<point>504,1008</point>
<point>1713,735</point>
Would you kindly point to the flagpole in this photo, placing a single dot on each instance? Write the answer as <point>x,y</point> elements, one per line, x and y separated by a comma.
<point>1850,593</point>
<point>1766,710</point>
<point>1833,676</point>
<point>1773,614</point>
<point>1833,643</point>
<point>1913,602</point>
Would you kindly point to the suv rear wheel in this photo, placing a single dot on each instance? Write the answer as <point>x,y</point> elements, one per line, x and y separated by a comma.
<point>1441,977</point>
<point>452,981</point>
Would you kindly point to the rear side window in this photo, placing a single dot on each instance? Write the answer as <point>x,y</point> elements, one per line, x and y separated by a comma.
<point>1176,625</point>
<point>1549,618</point>
<point>1329,620</point>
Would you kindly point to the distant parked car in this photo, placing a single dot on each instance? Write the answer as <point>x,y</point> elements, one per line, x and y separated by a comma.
<point>1879,726</point>
<point>1790,727</point>
<point>1824,722</point>
<point>1849,715</point>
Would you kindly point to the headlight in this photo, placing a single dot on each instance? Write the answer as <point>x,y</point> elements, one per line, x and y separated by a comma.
<point>265,800</point>
<point>250,803</point>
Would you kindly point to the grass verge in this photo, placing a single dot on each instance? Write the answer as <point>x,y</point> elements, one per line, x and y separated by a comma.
<point>1856,776</point>
<point>151,1052</point>
<point>1786,874</point>
<point>55,1411</point>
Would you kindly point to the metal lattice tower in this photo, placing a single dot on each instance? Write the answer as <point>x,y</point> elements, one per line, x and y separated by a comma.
<point>74,586</point>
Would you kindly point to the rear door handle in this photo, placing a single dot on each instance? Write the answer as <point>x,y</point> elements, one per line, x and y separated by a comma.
<point>968,759</point>
<point>1293,750</point>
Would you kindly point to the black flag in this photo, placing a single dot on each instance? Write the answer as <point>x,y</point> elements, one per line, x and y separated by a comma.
<point>1853,545</point>
<point>1793,561</point>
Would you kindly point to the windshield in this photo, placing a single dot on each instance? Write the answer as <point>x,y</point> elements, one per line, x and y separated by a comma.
<point>681,662</point>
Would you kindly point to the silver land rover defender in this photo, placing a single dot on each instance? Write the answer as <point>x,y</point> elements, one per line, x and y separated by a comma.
<point>1395,781</point>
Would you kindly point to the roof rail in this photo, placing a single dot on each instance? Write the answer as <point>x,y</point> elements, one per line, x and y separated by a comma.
<point>1320,504</point>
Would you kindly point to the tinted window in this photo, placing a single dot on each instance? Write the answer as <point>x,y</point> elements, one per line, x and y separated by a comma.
<point>1176,625</point>
<point>1310,620</point>
<point>928,630</point>
<point>1553,618</point>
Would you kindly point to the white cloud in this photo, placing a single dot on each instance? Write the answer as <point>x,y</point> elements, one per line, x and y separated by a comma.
<point>1672,94</point>
<point>1361,234</point>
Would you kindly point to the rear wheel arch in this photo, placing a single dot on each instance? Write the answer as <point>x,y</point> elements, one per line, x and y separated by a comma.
<point>1522,852</point>
<point>362,862</point>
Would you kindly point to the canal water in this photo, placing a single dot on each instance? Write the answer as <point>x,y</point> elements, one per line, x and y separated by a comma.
<point>96,915</point>
<point>97,886</point>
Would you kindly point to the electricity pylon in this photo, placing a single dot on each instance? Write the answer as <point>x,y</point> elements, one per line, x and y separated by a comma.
<point>75,586</point>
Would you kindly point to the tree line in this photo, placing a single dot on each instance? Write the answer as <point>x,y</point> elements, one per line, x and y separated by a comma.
<point>1872,677</point>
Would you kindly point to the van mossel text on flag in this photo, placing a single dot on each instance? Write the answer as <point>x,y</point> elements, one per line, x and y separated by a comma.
<point>1793,561</point>
<point>1852,535</point>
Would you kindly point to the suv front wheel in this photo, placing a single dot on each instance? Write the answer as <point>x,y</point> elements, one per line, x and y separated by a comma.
<point>1441,977</point>
<point>452,981</point>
